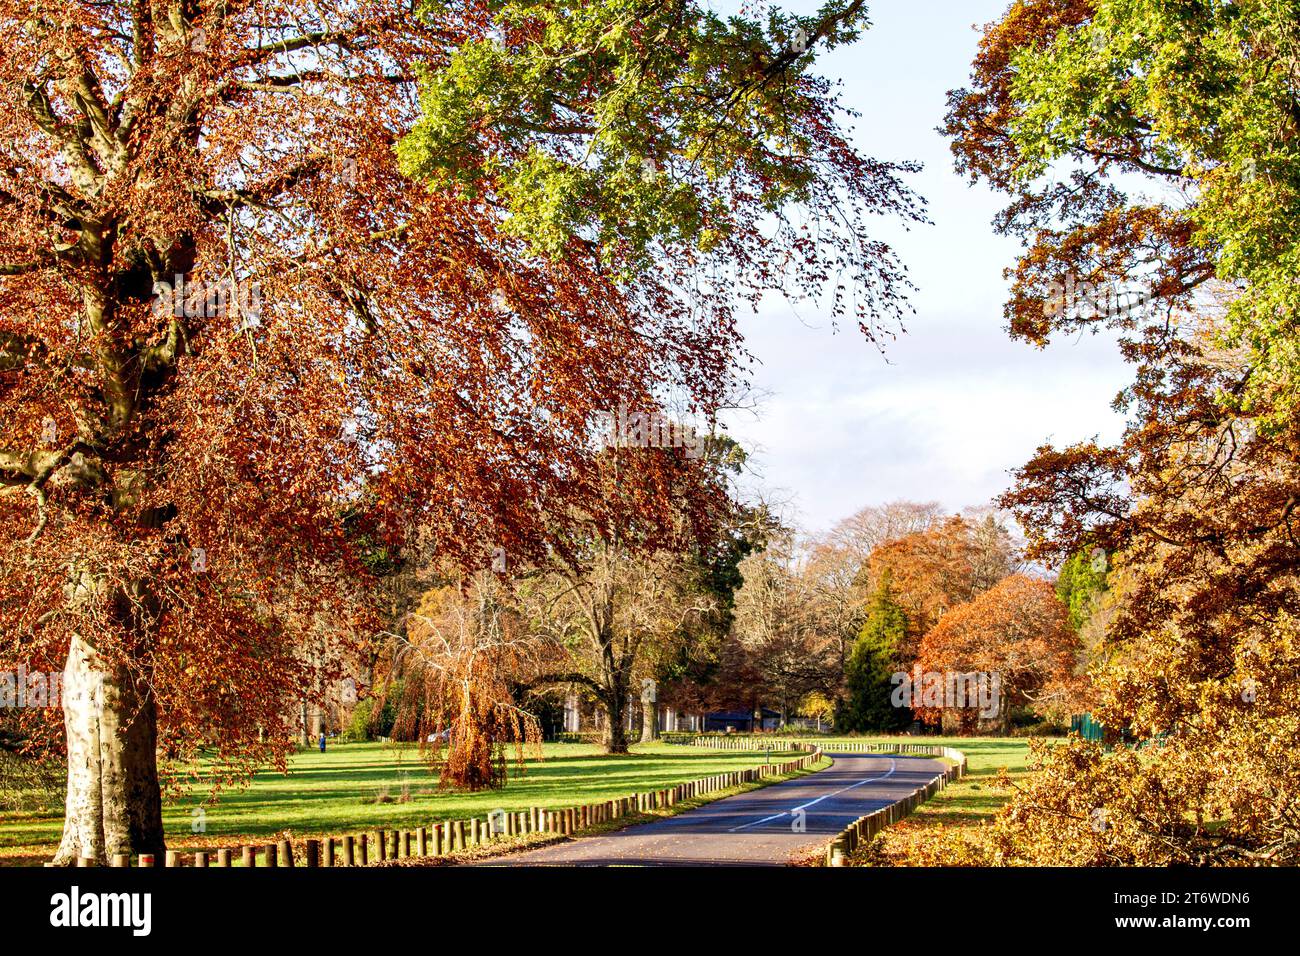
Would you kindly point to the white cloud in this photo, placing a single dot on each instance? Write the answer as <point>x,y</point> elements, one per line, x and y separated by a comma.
<point>958,404</point>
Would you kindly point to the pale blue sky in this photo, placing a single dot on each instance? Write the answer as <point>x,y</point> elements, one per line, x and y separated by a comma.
<point>958,403</point>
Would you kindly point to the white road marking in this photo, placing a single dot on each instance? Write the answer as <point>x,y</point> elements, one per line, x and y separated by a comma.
<point>893,765</point>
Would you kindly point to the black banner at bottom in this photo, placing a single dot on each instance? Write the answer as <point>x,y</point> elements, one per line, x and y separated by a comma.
<point>139,908</point>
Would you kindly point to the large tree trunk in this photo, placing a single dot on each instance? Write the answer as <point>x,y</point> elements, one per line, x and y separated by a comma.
<point>616,732</point>
<point>114,804</point>
<point>649,722</point>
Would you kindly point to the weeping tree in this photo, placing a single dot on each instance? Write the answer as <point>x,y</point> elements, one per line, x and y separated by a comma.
<point>458,666</point>
<point>258,256</point>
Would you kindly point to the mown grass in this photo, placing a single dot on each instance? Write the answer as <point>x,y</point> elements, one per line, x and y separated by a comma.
<point>354,787</point>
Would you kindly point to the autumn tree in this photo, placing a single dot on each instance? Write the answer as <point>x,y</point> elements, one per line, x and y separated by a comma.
<point>694,676</point>
<point>614,615</point>
<point>870,527</point>
<point>934,571</point>
<point>836,593</point>
<point>622,591</point>
<point>777,629</point>
<point>465,649</point>
<point>260,260</point>
<point>1017,630</point>
<point>1178,128</point>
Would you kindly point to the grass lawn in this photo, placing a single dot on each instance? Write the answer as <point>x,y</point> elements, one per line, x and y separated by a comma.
<point>343,791</point>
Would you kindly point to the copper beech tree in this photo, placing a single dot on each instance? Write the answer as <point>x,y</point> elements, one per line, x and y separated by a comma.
<point>280,281</point>
<point>947,564</point>
<point>1017,630</point>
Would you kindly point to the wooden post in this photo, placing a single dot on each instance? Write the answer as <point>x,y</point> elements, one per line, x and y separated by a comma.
<point>329,852</point>
<point>271,859</point>
<point>173,858</point>
<point>147,859</point>
<point>250,856</point>
<point>201,860</point>
<point>407,839</point>
<point>313,854</point>
<point>90,860</point>
<point>286,852</point>
<point>121,859</point>
<point>362,840</point>
<point>223,858</point>
<point>423,841</point>
<point>460,835</point>
<point>383,845</point>
<point>349,851</point>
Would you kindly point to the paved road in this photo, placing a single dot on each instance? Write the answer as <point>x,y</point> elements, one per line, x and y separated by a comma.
<point>750,829</point>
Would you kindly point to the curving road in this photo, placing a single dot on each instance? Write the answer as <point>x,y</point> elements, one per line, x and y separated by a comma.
<point>765,827</point>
